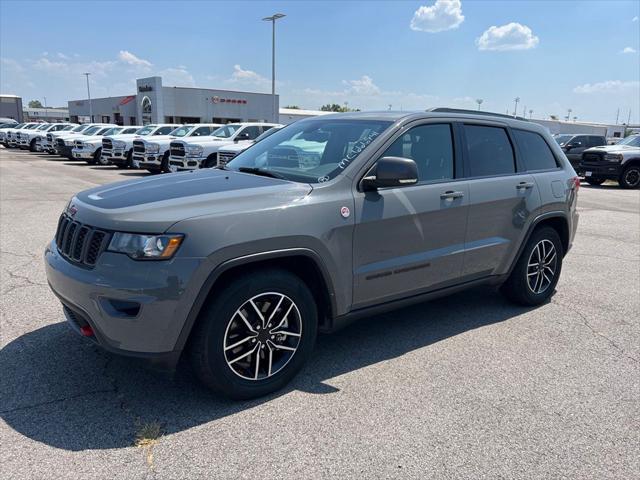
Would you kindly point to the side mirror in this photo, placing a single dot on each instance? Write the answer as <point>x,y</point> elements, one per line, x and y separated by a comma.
<point>242,136</point>
<point>391,172</point>
<point>574,145</point>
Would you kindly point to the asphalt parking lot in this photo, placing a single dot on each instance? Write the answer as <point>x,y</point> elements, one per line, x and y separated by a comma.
<point>468,386</point>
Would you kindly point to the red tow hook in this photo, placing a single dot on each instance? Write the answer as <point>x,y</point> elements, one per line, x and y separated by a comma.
<point>86,331</point>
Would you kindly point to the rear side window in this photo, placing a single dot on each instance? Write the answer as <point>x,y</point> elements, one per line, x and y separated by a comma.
<point>490,151</point>
<point>164,130</point>
<point>535,152</point>
<point>431,147</point>
<point>597,141</point>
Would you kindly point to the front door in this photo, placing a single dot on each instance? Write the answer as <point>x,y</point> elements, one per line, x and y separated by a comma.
<point>411,239</point>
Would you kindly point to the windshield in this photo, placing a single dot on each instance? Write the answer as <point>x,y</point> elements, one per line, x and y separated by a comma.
<point>226,131</point>
<point>111,131</point>
<point>181,131</point>
<point>312,151</point>
<point>68,127</point>
<point>146,130</point>
<point>633,141</point>
<point>91,131</point>
<point>31,127</point>
<point>46,126</point>
<point>269,132</point>
<point>103,131</point>
<point>562,139</point>
<point>79,128</point>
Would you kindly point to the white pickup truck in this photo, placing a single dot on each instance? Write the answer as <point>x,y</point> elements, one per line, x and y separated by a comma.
<point>31,139</point>
<point>229,152</point>
<point>64,145</point>
<point>22,136</point>
<point>89,148</point>
<point>5,129</point>
<point>12,133</point>
<point>153,153</point>
<point>49,144</point>
<point>118,149</point>
<point>203,153</point>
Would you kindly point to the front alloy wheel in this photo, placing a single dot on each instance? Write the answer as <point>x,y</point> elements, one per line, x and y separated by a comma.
<point>541,268</point>
<point>262,336</point>
<point>630,177</point>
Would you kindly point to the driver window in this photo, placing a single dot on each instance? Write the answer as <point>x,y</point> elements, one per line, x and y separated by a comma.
<point>431,147</point>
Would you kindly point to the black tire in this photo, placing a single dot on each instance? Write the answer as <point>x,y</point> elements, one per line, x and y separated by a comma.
<point>630,177</point>
<point>129,163</point>
<point>164,165</point>
<point>32,145</point>
<point>596,182</point>
<point>211,161</point>
<point>518,288</point>
<point>96,157</point>
<point>207,344</point>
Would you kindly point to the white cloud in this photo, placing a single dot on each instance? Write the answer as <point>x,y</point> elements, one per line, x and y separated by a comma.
<point>129,58</point>
<point>442,15</point>
<point>63,56</point>
<point>362,86</point>
<point>634,19</point>
<point>628,50</point>
<point>179,77</point>
<point>248,77</point>
<point>609,86</point>
<point>11,64</point>
<point>512,36</point>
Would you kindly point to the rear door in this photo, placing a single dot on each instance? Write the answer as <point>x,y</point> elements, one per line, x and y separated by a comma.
<point>411,239</point>
<point>502,198</point>
<point>578,145</point>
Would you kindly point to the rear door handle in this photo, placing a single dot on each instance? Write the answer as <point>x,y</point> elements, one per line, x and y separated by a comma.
<point>525,185</point>
<point>451,194</point>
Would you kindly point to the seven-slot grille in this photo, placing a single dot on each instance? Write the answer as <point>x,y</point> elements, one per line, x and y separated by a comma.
<point>225,157</point>
<point>80,243</point>
<point>138,146</point>
<point>107,144</point>
<point>177,149</point>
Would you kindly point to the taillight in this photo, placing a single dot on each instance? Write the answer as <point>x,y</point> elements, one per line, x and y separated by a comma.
<point>576,183</point>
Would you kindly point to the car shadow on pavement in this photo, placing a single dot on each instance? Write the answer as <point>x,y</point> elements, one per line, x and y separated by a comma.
<point>61,390</point>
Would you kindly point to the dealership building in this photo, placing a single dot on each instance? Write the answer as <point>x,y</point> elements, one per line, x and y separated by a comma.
<point>155,103</point>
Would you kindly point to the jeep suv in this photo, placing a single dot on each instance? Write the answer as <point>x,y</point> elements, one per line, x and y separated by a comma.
<point>327,220</point>
<point>619,162</point>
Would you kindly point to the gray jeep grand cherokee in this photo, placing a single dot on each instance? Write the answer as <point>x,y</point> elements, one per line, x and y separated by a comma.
<point>327,220</point>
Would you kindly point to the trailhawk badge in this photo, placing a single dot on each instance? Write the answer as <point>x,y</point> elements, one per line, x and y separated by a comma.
<point>345,212</point>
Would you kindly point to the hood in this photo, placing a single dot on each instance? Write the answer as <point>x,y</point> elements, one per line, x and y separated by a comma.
<point>153,204</point>
<point>237,147</point>
<point>612,148</point>
<point>162,139</point>
<point>203,140</point>
<point>125,136</point>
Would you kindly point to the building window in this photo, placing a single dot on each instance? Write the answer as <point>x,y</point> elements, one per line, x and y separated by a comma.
<point>105,119</point>
<point>132,120</point>
<point>147,109</point>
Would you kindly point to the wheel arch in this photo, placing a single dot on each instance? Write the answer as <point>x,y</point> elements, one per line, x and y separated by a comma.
<point>302,262</point>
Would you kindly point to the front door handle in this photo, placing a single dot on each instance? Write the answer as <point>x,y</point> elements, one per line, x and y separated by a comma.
<point>451,194</point>
<point>525,185</point>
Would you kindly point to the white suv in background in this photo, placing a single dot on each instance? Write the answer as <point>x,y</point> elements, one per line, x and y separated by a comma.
<point>203,153</point>
<point>153,153</point>
<point>89,148</point>
<point>118,149</point>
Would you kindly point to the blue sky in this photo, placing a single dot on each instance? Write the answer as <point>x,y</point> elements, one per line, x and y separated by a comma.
<point>412,55</point>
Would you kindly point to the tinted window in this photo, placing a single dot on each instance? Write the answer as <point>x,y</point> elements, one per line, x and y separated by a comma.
<point>490,151</point>
<point>582,140</point>
<point>597,141</point>
<point>201,131</point>
<point>535,152</point>
<point>431,147</point>
<point>164,130</point>
<point>253,132</point>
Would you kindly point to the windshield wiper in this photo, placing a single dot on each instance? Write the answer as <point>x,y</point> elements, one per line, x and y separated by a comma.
<point>259,171</point>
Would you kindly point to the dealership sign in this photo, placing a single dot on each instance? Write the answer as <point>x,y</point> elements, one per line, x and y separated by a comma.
<point>237,101</point>
<point>145,88</point>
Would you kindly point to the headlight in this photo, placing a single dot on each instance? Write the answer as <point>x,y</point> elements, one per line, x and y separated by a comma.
<point>152,148</point>
<point>146,247</point>
<point>194,150</point>
<point>613,157</point>
<point>118,144</point>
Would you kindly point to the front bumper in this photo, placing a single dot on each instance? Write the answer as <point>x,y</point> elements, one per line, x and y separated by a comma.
<point>152,161</point>
<point>116,157</point>
<point>601,170</point>
<point>135,308</point>
<point>64,151</point>
<point>185,163</point>
<point>82,154</point>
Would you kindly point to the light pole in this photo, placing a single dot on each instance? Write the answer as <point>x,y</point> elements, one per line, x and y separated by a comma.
<point>515,110</point>
<point>46,110</point>
<point>479,102</point>
<point>89,95</point>
<point>530,114</point>
<point>273,19</point>
<point>569,114</point>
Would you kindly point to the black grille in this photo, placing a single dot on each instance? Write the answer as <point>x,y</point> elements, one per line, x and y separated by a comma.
<point>80,243</point>
<point>177,149</point>
<point>49,137</point>
<point>138,146</point>
<point>225,157</point>
<point>107,144</point>
<point>60,142</point>
<point>77,143</point>
<point>594,157</point>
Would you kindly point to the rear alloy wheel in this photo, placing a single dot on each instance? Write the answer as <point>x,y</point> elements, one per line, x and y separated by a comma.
<point>255,335</point>
<point>595,181</point>
<point>537,271</point>
<point>630,177</point>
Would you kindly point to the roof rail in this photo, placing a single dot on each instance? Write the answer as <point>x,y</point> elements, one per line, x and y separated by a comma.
<point>474,112</point>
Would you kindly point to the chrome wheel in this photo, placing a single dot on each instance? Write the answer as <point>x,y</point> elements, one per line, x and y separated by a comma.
<point>262,336</point>
<point>632,177</point>
<point>541,267</point>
